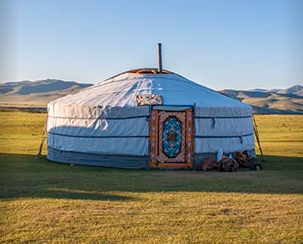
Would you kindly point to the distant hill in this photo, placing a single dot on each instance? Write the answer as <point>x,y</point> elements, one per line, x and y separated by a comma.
<point>291,90</point>
<point>258,90</point>
<point>36,93</point>
<point>299,93</point>
<point>278,101</point>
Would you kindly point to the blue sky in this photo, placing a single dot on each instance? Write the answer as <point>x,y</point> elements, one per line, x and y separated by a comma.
<point>221,44</point>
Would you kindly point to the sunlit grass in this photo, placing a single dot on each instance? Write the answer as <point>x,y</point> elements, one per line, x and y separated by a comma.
<point>281,135</point>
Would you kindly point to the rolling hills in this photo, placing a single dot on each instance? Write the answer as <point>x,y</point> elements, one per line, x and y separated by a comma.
<point>277,101</point>
<point>36,94</point>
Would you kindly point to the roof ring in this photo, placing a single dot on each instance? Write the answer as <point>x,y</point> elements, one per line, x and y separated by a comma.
<point>153,71</point>
<point>146,71</point>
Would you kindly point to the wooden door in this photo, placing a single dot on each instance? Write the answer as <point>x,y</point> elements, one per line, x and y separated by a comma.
<point>171,139</point>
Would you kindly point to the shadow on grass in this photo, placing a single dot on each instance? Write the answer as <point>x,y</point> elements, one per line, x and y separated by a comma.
<point>26,176</point>
<point>61,193</point>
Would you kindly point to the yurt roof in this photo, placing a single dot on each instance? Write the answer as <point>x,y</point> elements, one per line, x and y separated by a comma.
<point>121,91</point>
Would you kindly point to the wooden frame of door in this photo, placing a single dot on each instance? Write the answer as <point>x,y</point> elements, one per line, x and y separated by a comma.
<point>154,142</point>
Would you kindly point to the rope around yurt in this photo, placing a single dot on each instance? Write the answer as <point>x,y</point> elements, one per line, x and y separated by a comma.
<point>44,135</point>
<point>258,138</point>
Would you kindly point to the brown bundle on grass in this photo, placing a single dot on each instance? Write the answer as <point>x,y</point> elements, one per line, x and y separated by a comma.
<point>209,164</point>
<point>242,160</point>
<point>228,165</point>
<point>245,161</point>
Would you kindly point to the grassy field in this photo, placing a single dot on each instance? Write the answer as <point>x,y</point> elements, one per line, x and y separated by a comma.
<point>44,202</point>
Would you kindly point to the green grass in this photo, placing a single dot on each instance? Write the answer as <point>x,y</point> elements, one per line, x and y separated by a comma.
<point>21,133</point>
<point>45,202</point>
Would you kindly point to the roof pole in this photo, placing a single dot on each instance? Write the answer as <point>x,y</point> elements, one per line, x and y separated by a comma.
<point>160,58</point>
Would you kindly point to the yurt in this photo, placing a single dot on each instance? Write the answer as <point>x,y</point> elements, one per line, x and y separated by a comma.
<point>146,118</point>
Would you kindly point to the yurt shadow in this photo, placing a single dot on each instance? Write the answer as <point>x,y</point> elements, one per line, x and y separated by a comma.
<point>278,177</point>
<point>71,194</point>
<point>78,194</point>
<point>31,177</point>
<point>26,176</point>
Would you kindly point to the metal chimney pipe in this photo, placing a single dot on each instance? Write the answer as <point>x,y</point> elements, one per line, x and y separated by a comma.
<point>160,58</point>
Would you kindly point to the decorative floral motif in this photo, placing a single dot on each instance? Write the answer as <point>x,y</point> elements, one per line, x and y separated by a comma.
<point>172,136</point>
